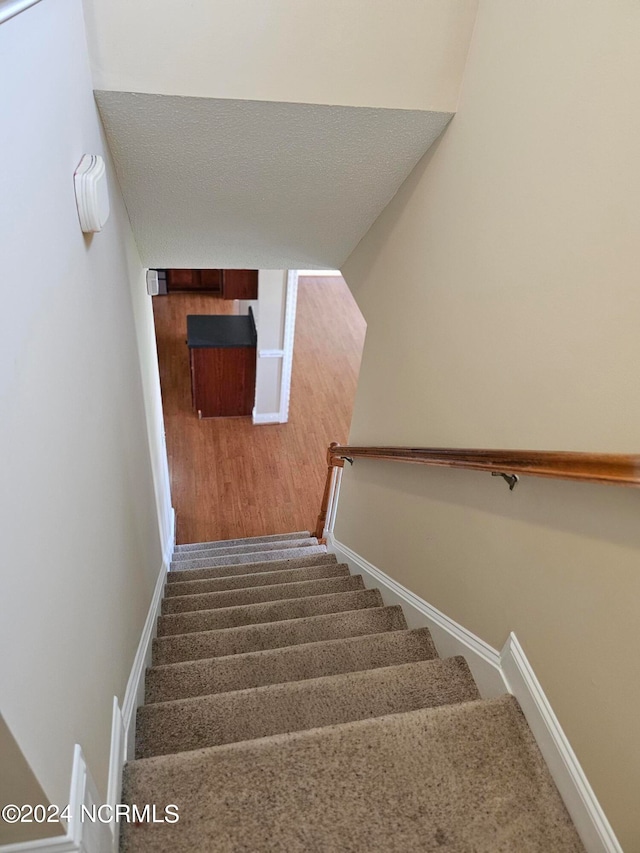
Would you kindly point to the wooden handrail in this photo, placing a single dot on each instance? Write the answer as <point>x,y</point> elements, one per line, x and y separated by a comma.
<point>614,468</point>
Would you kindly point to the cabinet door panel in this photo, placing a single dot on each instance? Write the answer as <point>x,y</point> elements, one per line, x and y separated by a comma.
<point>240,284</point>
<point>182,279</point>
<point>209,281</point>
<point>223,381</point>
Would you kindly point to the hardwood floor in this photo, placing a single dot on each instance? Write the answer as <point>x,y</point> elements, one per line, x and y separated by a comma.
<point>230,478</point>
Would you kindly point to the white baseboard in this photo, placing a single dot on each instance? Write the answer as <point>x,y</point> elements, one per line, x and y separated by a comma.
<point>449,637</point>
<point>117,758</point>
<point>266,417</point>
<point>581,802</point>
<point>496,673</point>
<point>80,836</point>
<point>271,353</point>
<point>170,545</point>
<point>134,693</point>
<point>97,837</point>
<point>123,722</point>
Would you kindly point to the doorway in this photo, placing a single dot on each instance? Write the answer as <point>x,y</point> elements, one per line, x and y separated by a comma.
<point>231,478</point>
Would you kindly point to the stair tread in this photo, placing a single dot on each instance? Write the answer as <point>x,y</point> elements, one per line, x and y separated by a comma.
<point>291,663</point>
<point>196,723</point>
<point>251,581</point>
<point>254,595</point>
<point>465,777</point>
<point>272,635</point>
<point>229,570</point>
<point>268,611</point>
<point>244,548</point>
<point>255,556</point>
<point>197,546</point>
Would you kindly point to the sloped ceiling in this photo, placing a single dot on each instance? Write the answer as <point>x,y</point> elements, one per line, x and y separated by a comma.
<point>257,184</point>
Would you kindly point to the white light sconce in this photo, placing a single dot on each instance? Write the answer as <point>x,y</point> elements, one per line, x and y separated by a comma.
<point>92,194</point>
<point>153,284</point>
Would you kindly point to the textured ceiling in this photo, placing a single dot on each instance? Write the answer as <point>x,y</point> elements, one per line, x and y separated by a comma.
<point>234,183</point>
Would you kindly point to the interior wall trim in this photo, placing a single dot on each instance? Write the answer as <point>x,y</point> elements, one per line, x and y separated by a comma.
<point>450,637</point>
<point>287,343</point>
<point>266,417</point>
<point>581,802</point>
<point>123,720</point>
<point>496,673</point>
<point>81,836</point>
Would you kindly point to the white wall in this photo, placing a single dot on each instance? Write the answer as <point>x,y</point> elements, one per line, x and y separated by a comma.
<point>81,492</point>
<point>404,54</point>
<point>270,320</point>
<point>18,785</point>
<point>302,119</point>
<point>502,299</point>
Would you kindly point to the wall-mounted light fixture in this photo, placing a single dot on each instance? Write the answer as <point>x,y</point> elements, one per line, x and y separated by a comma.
<point>153,283</point>
<point>92,194</point>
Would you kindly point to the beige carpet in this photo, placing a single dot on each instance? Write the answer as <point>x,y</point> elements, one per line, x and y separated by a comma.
<point>287,709</point>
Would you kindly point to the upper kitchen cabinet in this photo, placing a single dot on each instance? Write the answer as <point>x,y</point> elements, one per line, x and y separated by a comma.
<point>207,280</point>
<point>230,284</point>
<point>240,284</point>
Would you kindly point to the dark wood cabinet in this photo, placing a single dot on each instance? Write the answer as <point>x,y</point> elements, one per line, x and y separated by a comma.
<point>194,280</point>
<point>210,280</point>
<point>240,284</point>
<point>179,280</point>
<point>230,284</point>
<point>223,381</point>
<point>222,355</point>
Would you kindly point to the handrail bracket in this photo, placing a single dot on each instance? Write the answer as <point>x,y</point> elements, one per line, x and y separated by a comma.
<point>511,479</point>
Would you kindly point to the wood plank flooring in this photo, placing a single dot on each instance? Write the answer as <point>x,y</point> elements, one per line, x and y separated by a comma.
<point>230,478</point>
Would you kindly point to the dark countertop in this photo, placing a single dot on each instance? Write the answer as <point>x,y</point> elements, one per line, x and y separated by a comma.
<point>221,330</point>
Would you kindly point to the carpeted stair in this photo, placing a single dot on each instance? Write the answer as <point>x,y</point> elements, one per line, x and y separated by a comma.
<point>287,709</point>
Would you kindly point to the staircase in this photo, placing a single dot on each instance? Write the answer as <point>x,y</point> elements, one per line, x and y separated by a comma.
<point>288,709</point>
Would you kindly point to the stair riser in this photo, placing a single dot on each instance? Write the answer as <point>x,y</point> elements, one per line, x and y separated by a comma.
<point>276,592</point>
<point>294,663</point>
<point>332,570</point>
<point>255,556</point>
<point>223,543</point>
<point>248,714</point>
<point>291,562</point>
<point>276,635</point>
<point>277,611</point>
<point>181,557</point>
